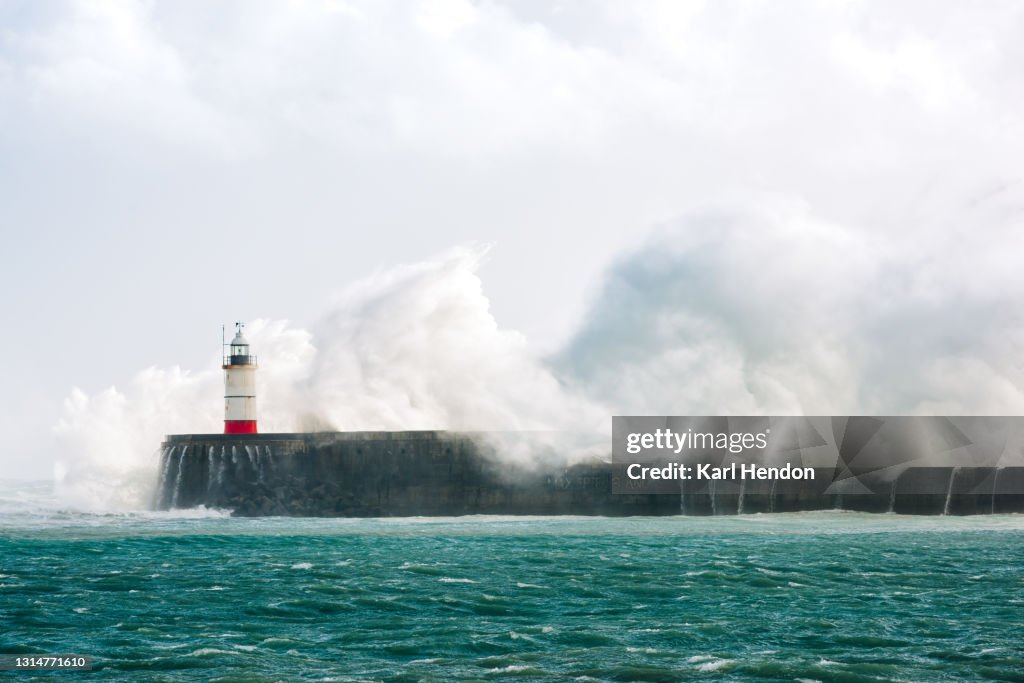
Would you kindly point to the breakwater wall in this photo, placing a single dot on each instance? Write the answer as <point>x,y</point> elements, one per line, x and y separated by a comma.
<point>396,474</point>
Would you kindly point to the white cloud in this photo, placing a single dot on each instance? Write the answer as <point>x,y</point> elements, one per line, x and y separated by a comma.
<point>915,65</point>
<point>445,18</point>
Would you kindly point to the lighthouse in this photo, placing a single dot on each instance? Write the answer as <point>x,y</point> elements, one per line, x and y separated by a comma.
<point>239,386</point>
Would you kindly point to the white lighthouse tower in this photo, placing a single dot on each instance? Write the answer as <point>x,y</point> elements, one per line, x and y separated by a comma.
<point>239,386</point>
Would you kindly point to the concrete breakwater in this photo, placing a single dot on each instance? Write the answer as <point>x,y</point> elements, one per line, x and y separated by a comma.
<point>431,473</point>
<point>379,474</point>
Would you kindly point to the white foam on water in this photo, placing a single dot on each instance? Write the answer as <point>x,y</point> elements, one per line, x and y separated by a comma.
<point>716,665</point>
<point>35,504</point>
<point>210,651</point>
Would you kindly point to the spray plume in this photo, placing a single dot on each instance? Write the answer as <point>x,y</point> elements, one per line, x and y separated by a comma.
<point>413,347</point>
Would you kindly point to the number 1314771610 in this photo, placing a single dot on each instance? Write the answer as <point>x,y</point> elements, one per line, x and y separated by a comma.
<point>45,663</point>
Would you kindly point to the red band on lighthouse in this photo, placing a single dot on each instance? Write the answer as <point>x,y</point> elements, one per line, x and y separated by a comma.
<point>240,426</point>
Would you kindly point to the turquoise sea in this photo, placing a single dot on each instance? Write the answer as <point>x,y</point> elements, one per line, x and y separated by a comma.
<point>198,595</point>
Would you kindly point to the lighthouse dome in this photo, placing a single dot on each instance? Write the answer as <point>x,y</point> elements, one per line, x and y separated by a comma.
<point>238,352</point>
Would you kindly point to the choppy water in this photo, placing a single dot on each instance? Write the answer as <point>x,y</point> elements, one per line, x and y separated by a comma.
<point>816,596</point>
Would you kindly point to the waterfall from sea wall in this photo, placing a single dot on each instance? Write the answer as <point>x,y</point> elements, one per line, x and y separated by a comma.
<point>176,492</point>
<point>995,489</point>
<point>949,490</point>
<point>159,501</point>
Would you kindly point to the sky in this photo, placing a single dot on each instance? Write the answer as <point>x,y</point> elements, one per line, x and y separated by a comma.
<point>673,207</point>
